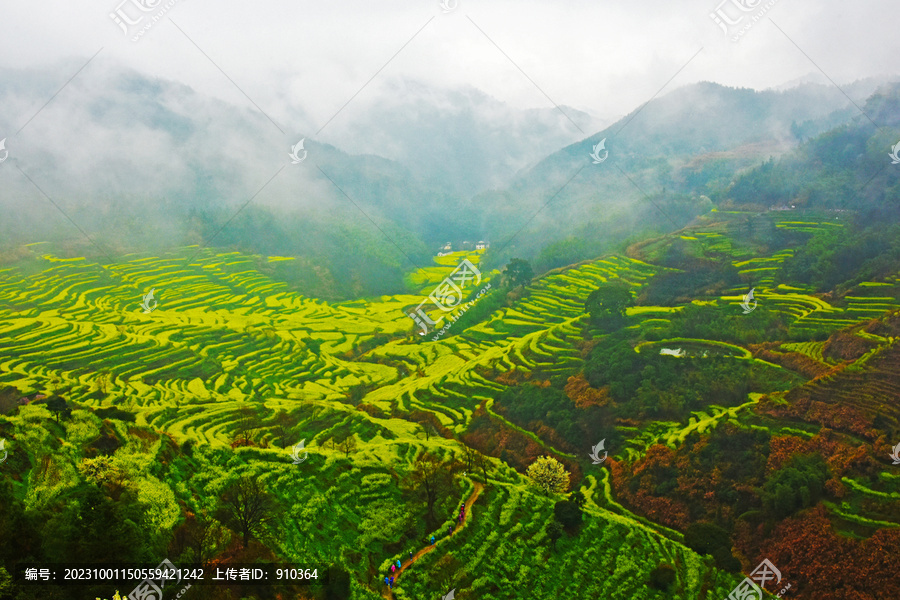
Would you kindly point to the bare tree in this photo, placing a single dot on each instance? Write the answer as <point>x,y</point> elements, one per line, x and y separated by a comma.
<point>482,463</point>
<point>469,454</point>
<point>101,380</point>
<point>202,537</point>
<point>283,424</point>
<point>427,420</point>
<point>248,422</point>
<point>248,508</point>
<point>348,445</point>
<point>431,478</point>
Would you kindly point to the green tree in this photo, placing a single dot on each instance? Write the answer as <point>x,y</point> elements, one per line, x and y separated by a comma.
<point>568,514</point>
<point>606,305</point>
<point>554,532</point>
<point>518,272</point>
<point>578,498</point>
<point>96,528</point>
<point>662,577</point>
<point>548,474</point>
<point>16,524</point>
<point>797,485</point>
<point>725,559</point>
<point>709,538</point>
<point>338,586</point>
<point>704,538</point>
<point>106,473</point>
<point>57,404</point>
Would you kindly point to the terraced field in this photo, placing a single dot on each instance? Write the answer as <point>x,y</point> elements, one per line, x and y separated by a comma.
<point>225,338</point>
<point>508,555</point>
<point>223,335</point>
<point>809,314</point>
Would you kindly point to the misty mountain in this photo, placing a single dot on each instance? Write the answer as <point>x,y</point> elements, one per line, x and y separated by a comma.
<point>848,168</point>
<point>122,154</point>
<point>670,151</point>
<point>459,140</point>
<point>138,163</point>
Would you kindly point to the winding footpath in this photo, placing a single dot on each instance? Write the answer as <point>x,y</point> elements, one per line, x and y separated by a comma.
<point>387,593</point>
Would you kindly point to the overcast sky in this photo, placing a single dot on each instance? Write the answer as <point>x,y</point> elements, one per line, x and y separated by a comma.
<point>310,56</point>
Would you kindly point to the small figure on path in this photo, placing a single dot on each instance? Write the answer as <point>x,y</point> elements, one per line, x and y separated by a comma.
<point>393,567</point>
<point>450,530</point>
<point>398,563</point>
<point>385,580</point>
<point>392,583</point>
<point>432,540</point>
<point>410,556</point>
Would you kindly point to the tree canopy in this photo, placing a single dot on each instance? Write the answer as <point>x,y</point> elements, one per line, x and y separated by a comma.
<point>606,305</point>
<point>518,272</point>
<point>548,474</point>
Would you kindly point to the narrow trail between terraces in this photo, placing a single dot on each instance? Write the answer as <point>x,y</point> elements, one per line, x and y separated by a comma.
<point>387,593</point>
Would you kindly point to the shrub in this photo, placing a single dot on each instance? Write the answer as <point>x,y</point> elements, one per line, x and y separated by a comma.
<point>662,577</point>
<point>568,514</point>
<point>704,538</point>
<point>115,413</point>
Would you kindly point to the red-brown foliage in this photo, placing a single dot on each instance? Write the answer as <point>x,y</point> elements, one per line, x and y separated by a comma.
<point>511,377</point>
<point>498,440</point>
<point>823,565</point>
<point>845,345</point>
<point>795,361</point>
<point>838,451</point>
<point>658,461</point>
<point>583,395</point>
<point>781,449</point>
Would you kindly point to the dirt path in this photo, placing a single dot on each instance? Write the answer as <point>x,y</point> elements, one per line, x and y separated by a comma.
<point>387,592</point>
